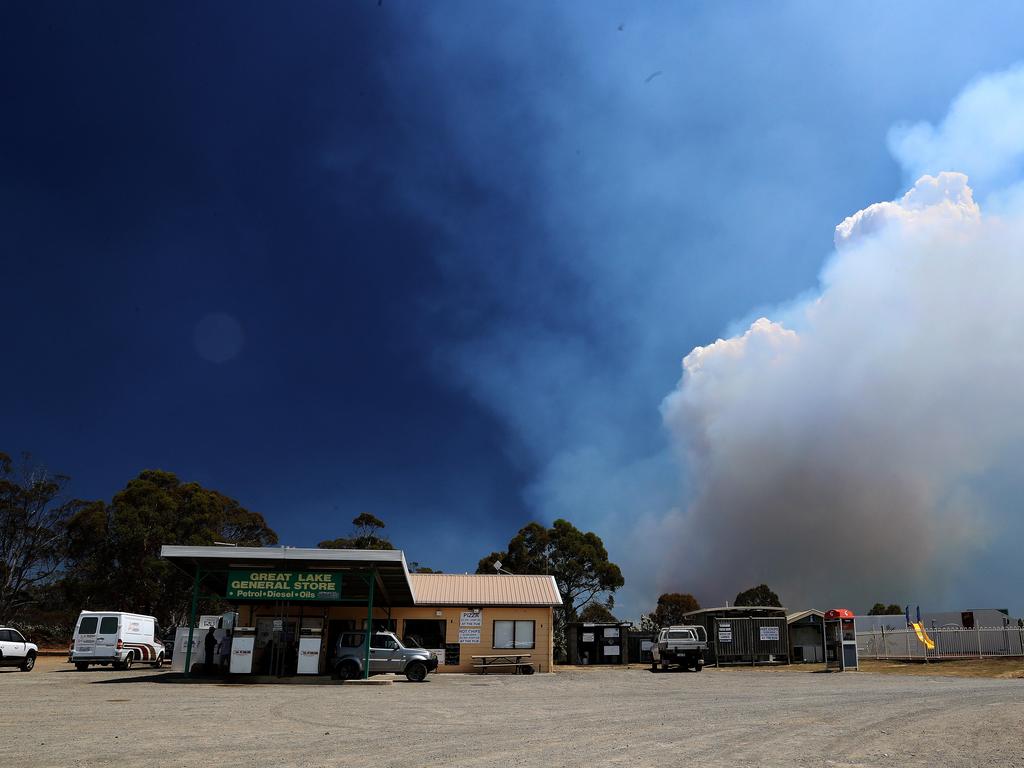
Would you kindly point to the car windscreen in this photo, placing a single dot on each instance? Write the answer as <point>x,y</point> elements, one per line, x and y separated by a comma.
<point>87,625</point>
<point>680,635</point>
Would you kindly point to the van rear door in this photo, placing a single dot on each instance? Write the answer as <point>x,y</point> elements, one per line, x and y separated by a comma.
<point>85,636</point>
<point>106,637</point>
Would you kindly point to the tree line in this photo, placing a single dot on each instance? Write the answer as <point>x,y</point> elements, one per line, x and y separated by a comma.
<point>60,554</point>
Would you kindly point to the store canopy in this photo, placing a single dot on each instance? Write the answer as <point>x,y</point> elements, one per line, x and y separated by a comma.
<point>392,585</point>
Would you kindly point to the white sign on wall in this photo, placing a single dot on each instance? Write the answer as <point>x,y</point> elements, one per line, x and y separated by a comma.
<point>725,633</point>
<point>769,633</point>
<point>611,650</point>
<point>469,636</point>
<point>588,637</point>
<point>611,631</point>
<point>205,622</point>
<point>471,619</point>
<point>646,645</point>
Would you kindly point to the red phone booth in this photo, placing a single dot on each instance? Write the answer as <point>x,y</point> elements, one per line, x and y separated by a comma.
<point>840,640</point>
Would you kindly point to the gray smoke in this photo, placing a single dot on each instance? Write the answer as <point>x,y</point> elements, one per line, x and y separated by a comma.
<point>642,216</point>
<point>846,449</point>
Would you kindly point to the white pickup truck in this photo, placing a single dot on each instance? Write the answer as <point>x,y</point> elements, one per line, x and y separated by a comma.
<point>680,646</point>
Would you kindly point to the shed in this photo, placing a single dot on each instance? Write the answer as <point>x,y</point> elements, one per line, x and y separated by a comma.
<point>807,636</point>
<point>745,634</point>
<point>596,643</point>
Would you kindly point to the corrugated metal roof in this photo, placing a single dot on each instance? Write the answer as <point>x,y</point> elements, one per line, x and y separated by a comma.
<point>804,614</point>
<point>739,609</point>
<point>483,589</point>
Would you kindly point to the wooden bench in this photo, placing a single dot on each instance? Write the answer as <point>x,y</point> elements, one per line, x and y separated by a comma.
<point>515,661</point>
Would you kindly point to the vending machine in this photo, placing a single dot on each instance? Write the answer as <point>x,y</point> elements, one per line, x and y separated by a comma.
<point>840,640</point>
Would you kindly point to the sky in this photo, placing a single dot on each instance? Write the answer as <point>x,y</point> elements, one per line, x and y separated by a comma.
<point>442,262</point>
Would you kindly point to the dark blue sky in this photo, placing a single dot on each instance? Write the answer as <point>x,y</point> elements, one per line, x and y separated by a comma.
<point>159,167</point>
<point>465,245</point>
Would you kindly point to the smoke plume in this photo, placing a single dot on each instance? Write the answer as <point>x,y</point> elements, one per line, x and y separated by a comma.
<point>848,446</point>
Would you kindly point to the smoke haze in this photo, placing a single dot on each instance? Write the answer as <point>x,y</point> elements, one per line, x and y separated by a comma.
<point>841,450</point>
<point>834,452</point>
<point>875,414</point>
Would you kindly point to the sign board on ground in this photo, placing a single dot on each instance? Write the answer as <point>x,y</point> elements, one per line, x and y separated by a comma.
<point>283,585</point>
<point>469,636</point>
<point>471,619</point>
<point>769,633</point>
<point>451,653</point>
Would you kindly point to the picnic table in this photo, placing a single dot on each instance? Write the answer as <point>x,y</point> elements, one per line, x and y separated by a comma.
<point>518,662</point>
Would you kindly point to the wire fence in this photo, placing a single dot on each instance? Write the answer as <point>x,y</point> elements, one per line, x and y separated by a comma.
<point>949,643</point>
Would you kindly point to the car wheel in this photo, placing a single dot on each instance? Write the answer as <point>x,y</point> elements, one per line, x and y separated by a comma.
<point>159,662</point>
<point>416,672</point>
<point>82,666</point>
<point>346,670</point>
<point>29,663</point>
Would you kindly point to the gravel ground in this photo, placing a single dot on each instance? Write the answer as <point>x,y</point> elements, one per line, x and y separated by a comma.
<point>57,717</point>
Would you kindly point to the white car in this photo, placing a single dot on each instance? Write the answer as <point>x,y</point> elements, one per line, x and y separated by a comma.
<point>115,638</point>
<point>16,651</point>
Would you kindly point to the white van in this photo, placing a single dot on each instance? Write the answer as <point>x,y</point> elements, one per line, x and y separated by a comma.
<point>120,639</point>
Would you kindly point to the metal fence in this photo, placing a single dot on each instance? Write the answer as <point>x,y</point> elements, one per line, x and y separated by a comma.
<point>950,643</point>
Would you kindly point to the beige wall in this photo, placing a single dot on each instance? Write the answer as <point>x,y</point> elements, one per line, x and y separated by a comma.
<point>541,655</point>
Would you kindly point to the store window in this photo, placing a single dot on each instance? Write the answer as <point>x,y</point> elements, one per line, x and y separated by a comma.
<point>513,634</point>
<point>424,633</point>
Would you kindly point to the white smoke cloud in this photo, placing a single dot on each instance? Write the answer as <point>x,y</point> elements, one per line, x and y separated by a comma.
<point>982,135</point>
<point>836,452</point>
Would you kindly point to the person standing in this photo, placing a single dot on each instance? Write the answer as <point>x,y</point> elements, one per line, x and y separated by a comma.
<point>211,646</point>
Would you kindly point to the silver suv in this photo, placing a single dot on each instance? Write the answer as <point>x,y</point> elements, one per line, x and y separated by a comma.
<point>387,654</point>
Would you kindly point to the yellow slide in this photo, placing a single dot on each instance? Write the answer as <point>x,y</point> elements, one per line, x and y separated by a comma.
<point>922,635</point>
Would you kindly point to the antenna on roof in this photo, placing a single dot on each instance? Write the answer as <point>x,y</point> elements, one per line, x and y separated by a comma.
<point>499,569</point>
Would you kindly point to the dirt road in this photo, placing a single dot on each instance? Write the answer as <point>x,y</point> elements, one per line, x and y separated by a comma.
<point>58,718</point>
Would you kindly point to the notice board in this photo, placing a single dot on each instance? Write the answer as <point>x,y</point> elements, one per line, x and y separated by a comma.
<point>451,654</point>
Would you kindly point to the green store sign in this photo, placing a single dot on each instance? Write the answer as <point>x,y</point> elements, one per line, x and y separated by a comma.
<point>283,585</point>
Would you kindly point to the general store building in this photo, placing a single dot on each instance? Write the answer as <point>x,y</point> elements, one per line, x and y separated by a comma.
<point>282,594</point>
